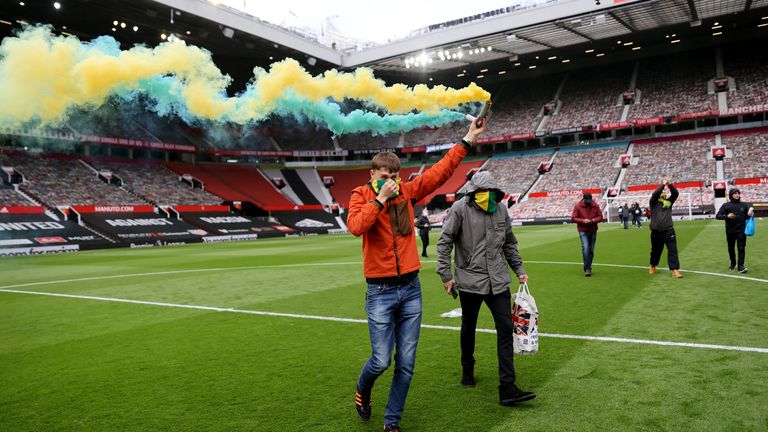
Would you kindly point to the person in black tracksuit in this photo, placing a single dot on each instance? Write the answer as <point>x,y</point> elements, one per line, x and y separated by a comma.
<point>423,225</point>
<point>735,214</point>
<point>662,232</point>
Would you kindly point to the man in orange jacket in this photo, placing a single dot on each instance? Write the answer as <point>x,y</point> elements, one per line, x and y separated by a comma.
<point>381,212</point>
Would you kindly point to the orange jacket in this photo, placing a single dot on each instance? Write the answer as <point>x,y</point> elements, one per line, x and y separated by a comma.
<point>389,244</point>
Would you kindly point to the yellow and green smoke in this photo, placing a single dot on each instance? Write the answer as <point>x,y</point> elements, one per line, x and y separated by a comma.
<point>44,76</point>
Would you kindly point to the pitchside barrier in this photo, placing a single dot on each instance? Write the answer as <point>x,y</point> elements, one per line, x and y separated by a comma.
<point>229,224</point>
<point>30,231</point>
<point>309,221</point>
<point>144,229</point>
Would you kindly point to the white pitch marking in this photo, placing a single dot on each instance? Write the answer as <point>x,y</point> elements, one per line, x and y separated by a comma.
<point>360,321</point>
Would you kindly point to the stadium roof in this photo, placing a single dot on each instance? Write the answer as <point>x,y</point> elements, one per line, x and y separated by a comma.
<point>558,29</point>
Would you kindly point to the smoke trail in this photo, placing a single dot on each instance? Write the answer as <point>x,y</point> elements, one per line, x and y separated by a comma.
<point>43,77</point>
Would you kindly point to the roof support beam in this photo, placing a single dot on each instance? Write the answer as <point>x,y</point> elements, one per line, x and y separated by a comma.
<point>577,33</point>
<point>622,22</point>
<point>694,13</point>
<point>747,5</point>
<point>534,41</point>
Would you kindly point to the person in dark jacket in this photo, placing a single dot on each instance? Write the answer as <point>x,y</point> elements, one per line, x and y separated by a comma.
<point>662,231</point>
<point>637,215</point>
<point>735,214</point>
<point>422,223</point>
<point>587,214</point>
<point>486,249</point>
<point>624,212</point>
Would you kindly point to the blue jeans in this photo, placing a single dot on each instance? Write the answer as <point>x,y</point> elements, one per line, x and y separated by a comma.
<point>588,248</point>
<point>394,318</point>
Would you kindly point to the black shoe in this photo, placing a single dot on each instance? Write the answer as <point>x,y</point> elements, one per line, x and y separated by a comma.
<point>588,272</point>
<point>510,395</point>
<point>424,255</point>
<point>363,405</point>
<point>468,377</point>
<point>392,428</point>
<point>743,270</point>
<point>732,267</point>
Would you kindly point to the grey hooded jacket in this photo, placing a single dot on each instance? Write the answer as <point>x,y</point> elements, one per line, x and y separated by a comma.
<point>485,246</point>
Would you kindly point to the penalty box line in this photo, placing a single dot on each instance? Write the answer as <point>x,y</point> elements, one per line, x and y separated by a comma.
<point>360,321</point>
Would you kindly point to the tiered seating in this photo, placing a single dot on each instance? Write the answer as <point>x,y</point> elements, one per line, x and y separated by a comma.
<point>157,184</point>
<point>302,138</point>
<point>750,156</point>
<point>515,175</point>
<point>749,67</point>
<point>366,141</point>
<point>235,183</point>
<point>680,161</point>
<point>754,193</point>
<point>560,207</point>
<point>419,137</point>
<point>675,85</point>
<point>236,137</point>
<point>60,182</point>
<point>590,97</point>
<point>699,196</point>
<point>451,133</point>
<point>582,169</point>
<point>517,108</point>
<point>9,197</point>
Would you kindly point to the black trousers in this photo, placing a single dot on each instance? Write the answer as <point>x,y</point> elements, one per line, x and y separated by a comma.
<point>739,240</point>
<point>658,240</point>
<point>500,306</point>
<point>424,241</point>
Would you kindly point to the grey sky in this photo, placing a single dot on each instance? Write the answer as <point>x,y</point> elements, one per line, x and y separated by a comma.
<point>375,21</point>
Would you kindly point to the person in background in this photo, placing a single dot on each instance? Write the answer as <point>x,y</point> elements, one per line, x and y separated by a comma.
<point>422,223</point>
<point>381,211</point>
<point>735,214</point>
<point>586,215</point>
<point>637,215</point>
<point>624,212</point>
<point>662,230</point>
<point>486,249</point>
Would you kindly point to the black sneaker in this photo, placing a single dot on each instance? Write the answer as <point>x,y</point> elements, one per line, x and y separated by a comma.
<point>588,272</point>
<point>392,428</point>
<point>363,405</point>
<point>510,395</point>
<point>743,270</point>
<point>468,377</point>
<point>732,267</point>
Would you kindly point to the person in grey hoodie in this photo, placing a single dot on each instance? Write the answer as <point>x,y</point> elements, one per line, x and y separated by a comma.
<point>485,250</point>
<point>662,231</point>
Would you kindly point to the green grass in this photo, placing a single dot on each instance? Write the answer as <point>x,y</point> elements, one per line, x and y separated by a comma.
<point>85,365</point>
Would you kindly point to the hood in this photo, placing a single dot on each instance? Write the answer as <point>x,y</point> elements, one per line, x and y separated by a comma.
<point>483,180</point>
<point>730,194</point>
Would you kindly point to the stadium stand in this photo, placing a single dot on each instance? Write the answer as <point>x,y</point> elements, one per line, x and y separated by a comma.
<point>63,182</point>
<point>9,197</point>
<point>366,141</point>
<point>753,192</point>
<point>548,207</point>
<point>235,182</point>
<point>516,174</point>
<point>674,85</point>
<point>681,161</point>
<point>750,156</point>
<point>591,97</point>
<point>419,137</point>
<point>517,107</point>
<point>302,137</point>
<point>347,179</point>
<point>749,68</point>
<point>456,181</point>
<point>582,168</point>
<point>157,184</point>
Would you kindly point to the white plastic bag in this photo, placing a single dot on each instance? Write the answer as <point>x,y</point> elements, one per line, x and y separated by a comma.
<point>525,321</point>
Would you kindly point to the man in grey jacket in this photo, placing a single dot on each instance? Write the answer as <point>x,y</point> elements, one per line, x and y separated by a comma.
<point>485,250</point>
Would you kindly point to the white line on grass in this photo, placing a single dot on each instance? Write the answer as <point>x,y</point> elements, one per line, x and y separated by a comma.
<point>215,269</point>
<point>360,321</point>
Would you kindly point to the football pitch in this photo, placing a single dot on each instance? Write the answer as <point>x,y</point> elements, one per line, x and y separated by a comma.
<point>269,335</point>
